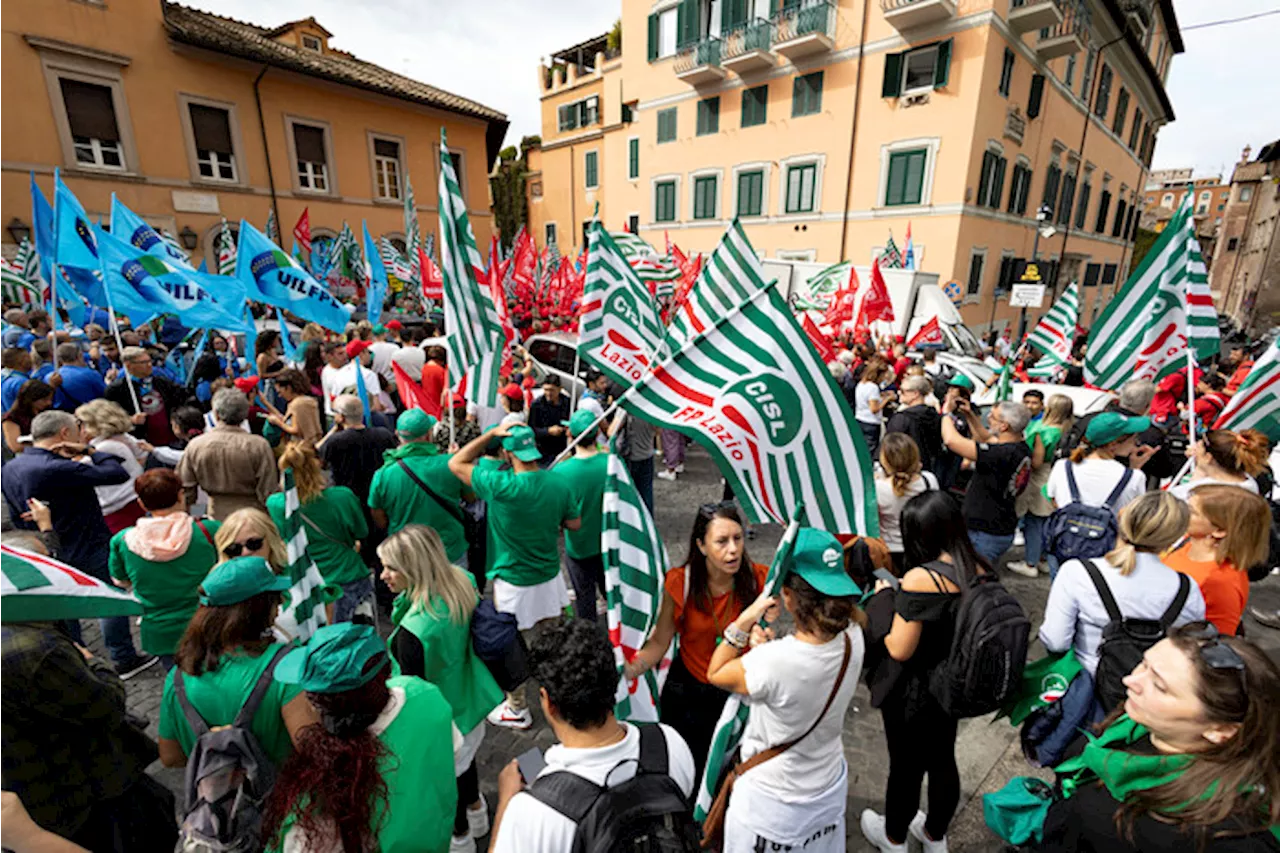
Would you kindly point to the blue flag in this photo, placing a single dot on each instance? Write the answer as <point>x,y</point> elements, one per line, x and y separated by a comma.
<point>290,353</point>
<point>65,293</point>
<point>250,341</point>
<point>363,393</point>
<point>42,227</point>
<point>77,246</point>
<point>271,276</point>
<point>204,267</point>
<point>376,275</point>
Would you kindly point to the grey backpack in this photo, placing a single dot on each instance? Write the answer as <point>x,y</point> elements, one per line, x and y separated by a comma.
<point>228,777</point>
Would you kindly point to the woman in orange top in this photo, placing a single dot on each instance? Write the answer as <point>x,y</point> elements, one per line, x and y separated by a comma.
<point>700,600</point>
<point>1228,533</point>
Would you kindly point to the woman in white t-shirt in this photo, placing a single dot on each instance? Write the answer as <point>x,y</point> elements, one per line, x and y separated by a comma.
<point>798,689</point>
<point>869,402</point>
<point>901,481</point>
<point>1226,458</point>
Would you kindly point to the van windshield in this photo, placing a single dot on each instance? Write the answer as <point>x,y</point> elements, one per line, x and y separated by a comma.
<point>963,339</point>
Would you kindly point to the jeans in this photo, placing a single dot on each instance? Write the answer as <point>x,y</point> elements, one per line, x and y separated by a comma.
<point>642,475</point>
<point>1033,531</point>
<point>119,640</point>
<point>990,546</point>
<point>871,432</point>
<point>357,597</point>
<point>1053,566</point>
<point>587,575</point>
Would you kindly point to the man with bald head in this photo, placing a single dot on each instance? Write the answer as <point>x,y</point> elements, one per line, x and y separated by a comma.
<point>352,450</point>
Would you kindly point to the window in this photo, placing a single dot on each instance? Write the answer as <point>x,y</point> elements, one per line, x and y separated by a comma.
<point>1086,79</point>
<point>1104,92</point>
<point>755,103</point>
<point>455,159</point>
<point>1052,179</point>
<point>386,168</point>
<point>1082,207</point>
<point>628,113</point>
<point>667,124</point>
<point>906,177</point>
<point>1109,273</point>
<point>312,44</point>
<point>1019,189</point>
<point>1036,96</point>
<point>1232,243</point>
<point>667,33</point>
<point>586,229</point>
<point>1221,207</point>
<point>1067,200</point>
<point>977,261</point>
<point>801,187</point>
<point>633,158</point>
<point>1117,227</point>
<point>1091,273</point>
<point>991,180</point>
<point>708,116</point>
<point>664,201</point>
<point>1246,193</point>
<point>1135,132</point>
<point>1122,109</point>
<point>309,148</point>
<point>211,130</point>
<point>1104,205</point>
<point>751,193</point>
<point>1069,76</point>
<point>1006,73</point>
<point>705,188</point>
<point>582,113</point>
<point>633,223</point>
<point>91,113</point>
<point>917,70</point>
<point>591,170</point>
<point>550,234</point>
<point>806,95</point>
<point>1166,200</point>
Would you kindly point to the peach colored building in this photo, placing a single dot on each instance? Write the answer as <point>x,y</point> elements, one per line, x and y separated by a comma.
<point>828,125</point>
<point>189,117</point>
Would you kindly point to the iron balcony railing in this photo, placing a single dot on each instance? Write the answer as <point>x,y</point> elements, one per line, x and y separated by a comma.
<point>1075,21</point>
<point>705,52</point>
<point>753,35</point>
<point>802,18</point>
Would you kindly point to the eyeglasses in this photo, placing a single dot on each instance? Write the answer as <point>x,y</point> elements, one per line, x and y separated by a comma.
<point>236,549</point>
<point>1214,652</point>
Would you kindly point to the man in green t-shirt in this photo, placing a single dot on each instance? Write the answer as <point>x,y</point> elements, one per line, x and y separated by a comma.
<point>527,506</point>
<point>585,473</point>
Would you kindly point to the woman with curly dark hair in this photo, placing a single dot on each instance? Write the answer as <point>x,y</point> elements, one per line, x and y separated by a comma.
<point>376,773</point>
<point>33,398</point>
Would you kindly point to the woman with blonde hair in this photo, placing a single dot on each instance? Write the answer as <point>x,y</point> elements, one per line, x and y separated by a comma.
<point>902,480</point>
<point>432,640</point>
<point>249,532</point>
<point>1227,458</point>
<point>108,425</point>
<point>1032,506</point>
<point>1139,585</point>
<point>335,523</point>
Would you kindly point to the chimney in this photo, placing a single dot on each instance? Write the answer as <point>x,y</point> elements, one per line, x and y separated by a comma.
<point>1246,153</point>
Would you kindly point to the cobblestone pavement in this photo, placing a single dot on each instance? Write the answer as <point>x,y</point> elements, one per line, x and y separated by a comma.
<point>987,751</point>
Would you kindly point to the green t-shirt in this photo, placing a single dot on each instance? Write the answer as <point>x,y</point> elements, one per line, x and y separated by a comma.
<point>167,590</point>
<point>525,514</point>
<point>585,476</point>
<point>421,788</point>
<point>1049,437</point>
<point>218,695</point>
<point>405,502</point>
<point>338,524</point>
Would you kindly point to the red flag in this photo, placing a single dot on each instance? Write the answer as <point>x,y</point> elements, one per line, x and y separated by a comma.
<point>876,304</point>
<point>819,340</point>
<point>496,274</point>
<point>930,335</point>
<point>432,279</point>
<point>302,231</point>
<point>412,394</point>
<point>840,308</point>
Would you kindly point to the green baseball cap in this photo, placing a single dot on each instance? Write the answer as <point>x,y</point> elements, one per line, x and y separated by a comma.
<point>960,380</point>
<point>818,557</point>
<point>1113,426</point>
<point>521,444</point>
<point>335,659</point>
<point>237,580</point>
<point>379,330</point>
<point>414,423</point>
<point>579,423</point>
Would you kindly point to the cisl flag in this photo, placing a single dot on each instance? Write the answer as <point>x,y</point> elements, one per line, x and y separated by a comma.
<point>930,335</point>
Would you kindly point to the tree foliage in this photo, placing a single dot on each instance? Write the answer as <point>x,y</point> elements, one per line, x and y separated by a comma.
<point>507,184</point>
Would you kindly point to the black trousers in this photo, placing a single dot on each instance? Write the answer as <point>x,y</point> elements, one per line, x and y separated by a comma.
<point>587,576</point>
<point>468,793</point>
<point>922,740</point>
<point>692,708</point>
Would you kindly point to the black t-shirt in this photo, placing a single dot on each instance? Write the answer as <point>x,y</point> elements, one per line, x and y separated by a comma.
<point>355,455</point>
<point>1000,475</point>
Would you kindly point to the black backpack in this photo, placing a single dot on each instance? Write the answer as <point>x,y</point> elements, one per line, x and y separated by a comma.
<point>645,814</point>
<point>1124,640</point>
<point>988,651</point>
<point>1078,531</point>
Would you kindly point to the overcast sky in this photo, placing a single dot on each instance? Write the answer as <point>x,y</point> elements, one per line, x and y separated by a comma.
<point>1223,88</point>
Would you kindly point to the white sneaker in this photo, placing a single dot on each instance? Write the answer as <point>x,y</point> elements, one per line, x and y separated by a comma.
<point>478,819</point>
<point>1020,567</point>
<point>873,830</point>
<point>506,716</point>
<point>462,844</point>
<point>667,475</point>
<point>680,468</point>
<point>917,829</point>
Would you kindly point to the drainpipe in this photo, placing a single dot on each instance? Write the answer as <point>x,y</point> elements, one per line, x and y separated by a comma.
<point>266,152</point>
<point>853,131</point>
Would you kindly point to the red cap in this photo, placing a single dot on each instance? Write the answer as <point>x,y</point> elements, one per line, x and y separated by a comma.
<point>513,392</point>
<point>354,348</point>
<point>247,384</point>
<point>458,401</point>
<point>395,324</point>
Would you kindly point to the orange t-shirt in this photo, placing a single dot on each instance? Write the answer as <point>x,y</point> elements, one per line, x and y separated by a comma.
<point>1225,588</point>
<point>699,630</point>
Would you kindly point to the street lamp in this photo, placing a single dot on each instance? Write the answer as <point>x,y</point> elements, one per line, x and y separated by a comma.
<point>19,230</point>
<point>1044,228</point>
<point>189,238</point>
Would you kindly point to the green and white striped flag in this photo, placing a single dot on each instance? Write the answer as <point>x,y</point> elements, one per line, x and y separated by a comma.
<point>225,249</point>
<point>1145,330</point>
<point>36,588</point>
<point>822,286</point>
<point>1056,330</point>
<point>1004,388</point>
<point>620,329</point>
<point>412,239</point>
<point>345,256</point>
<point>635,566</point>
<point>1256,403</point>
<point>21,277</point>
<point>632,245</point>
<point>745,382</point>
<point>473,332</point>
<point>304,612</point>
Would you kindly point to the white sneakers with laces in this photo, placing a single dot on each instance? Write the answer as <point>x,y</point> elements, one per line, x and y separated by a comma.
<point>1022,567</point>
<point>917,829</point>
<point>667,475</point>
<point>872,823</point>
<point>478,819</point>
<point>507,717</point>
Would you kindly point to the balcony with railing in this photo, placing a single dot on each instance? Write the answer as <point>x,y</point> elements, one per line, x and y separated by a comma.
<point>904,15</point>
<point>745,48</point>
<point>803,28</point>
<point>1028,15</point>
<point>698,64</point>
<point>1070,35</point>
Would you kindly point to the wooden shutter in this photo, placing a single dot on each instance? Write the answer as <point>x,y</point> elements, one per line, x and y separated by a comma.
<point>687,28</point>
<point>90,111</point>
<point>997,182</point>
<point>633,158</point>
<point>653,37</point>
<point>988,163</point>
<point>1036,97</point>
<point>942,66</point>
<point>1051,179</point>
<point>892,86</point>
<point>733,13</point>
<point>1082,206</point>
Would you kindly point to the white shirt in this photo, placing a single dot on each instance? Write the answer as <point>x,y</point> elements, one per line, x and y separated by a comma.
<point>411,361</point>
<point>125,448</point>
<point>529,826</point>
<point>383,352</point>
<point>1095,478</point>
<point>1184,490</point>
<point>891,506</point>
<point>863,394</point>
<point>1074,615</point>
<point>343,381</point>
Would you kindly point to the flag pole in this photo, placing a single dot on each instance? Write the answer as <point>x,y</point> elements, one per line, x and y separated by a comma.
<point>577,355</point>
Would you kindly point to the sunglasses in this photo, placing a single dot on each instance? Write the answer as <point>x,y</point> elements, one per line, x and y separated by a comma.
<point>709,510</point>
<point>235,549</point>
<point>1214,652</point>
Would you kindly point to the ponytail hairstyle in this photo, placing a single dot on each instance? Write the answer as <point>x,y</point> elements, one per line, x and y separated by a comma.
<point>901,460</point>
<point>1150,524</point>
<point>307,476</point>
<point>1243,452</point>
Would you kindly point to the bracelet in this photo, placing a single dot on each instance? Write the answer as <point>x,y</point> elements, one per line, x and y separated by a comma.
<point>736,637</point>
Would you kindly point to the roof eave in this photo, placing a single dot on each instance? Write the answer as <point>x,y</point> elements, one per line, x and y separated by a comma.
<point>1153,77</point>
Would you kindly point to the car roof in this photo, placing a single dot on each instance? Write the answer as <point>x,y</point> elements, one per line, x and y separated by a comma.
<point>1083,400</point>
<point>558,337</point>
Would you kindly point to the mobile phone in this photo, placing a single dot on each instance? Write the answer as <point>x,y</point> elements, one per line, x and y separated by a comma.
<point>882,574</point>
<point>531,763</point>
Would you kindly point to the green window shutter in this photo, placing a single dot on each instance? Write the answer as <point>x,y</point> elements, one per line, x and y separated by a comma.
<point>733,13</point>
<point>1013,187</point>
<point>667,124</point>
<point>893,186</point>
<point>1082,207</point>
<point>806,95</point>
<point>942,68</point>
<point>905,184</point>
<point>984,178</point>
<point>1025,193</point>
<point>709,116</point>
<point>754,105</point>
<point>1122,110</point>
<point>704,197</point>
<point>892,86</point>
<point>687,29</point>
<point>1036,96</point>
<point>592,170</point>
<point>633,158</point>
<point>750,193</point>
<point>653,37</point>
<point>1051,179</point>
<point>664,201</point>
<point>997,182</point>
